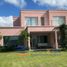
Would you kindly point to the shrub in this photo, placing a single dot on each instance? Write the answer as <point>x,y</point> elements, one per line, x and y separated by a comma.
<point>7,48</point>
<point>24,37</point>
<point>0,36</point>
<point>63,33</point>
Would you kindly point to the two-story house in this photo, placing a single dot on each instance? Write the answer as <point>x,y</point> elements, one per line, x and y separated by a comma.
<point>40,24</point>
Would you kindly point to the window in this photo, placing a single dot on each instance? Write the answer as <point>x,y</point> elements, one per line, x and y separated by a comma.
<point>58,20</point>
<point>11,40</point>
<point>42,20</point>
<point>31,21</point>
<point>43,39</point>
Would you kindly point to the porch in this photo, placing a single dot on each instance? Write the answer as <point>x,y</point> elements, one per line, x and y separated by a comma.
<point>42,38</point>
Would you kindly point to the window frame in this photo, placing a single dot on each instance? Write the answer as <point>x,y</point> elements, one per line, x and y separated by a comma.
<point>53,20</point>
<point>42,21</point>
<point>31,24</point>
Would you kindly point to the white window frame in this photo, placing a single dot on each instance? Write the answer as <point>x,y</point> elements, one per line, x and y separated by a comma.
<point>32,21</point>
<point>58,20</point>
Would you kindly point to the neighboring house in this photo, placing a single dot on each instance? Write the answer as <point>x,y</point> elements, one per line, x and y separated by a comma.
<point>40,24</point>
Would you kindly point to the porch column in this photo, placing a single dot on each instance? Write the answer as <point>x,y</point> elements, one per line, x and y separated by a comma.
<point>29,46</point>
<point>56,42</point>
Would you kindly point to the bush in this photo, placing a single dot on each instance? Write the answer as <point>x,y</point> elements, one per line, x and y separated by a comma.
<point>11,47</point>
<point>7,48</point>
<point>63,36</point>
<point>2,48</point>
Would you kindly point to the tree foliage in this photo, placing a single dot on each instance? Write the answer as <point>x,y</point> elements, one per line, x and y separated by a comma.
<point>0,36</point>
<point>63,34</point>
<point>24,34</point>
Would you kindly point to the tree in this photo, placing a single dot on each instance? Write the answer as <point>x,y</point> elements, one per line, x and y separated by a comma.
<point>63,34</point>
<point>0,36</point>
<point>24,36</point>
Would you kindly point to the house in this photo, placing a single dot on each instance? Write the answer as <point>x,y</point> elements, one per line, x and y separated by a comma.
<point>40,24</point>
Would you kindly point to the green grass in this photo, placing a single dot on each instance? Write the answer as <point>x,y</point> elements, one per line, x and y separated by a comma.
<point>33,59</point>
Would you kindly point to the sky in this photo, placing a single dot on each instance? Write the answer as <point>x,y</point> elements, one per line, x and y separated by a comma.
<point>12,7</point>
<point>9,8</point>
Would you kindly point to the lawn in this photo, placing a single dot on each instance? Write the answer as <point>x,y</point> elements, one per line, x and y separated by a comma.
<point>33,59</point>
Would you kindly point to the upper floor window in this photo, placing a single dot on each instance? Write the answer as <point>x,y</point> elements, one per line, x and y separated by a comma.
<point>31,21</point>
<point>42,20</point>
<point>58,20</point>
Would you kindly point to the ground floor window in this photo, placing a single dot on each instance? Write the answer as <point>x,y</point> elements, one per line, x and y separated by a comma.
<point>14,40</point>
<point>39,41</point>
<point>43,39</point>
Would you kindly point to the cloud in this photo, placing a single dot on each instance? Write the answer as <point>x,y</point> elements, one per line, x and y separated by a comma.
<point>18,3</point>
<point>6,21</point>
<point>56,3</point>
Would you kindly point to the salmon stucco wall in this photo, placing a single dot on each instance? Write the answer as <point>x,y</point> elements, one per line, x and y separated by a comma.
<point>11,31</point>
<point>57,13</point>
<point>16,22</point>
<point>34,13</point>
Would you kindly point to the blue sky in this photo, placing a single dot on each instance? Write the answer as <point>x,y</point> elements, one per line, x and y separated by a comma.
<point>12,7</point>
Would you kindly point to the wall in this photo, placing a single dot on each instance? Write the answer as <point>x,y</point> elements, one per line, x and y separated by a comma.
<point>34,13</point>
<point>57,13</point>
<point>16,21</point>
